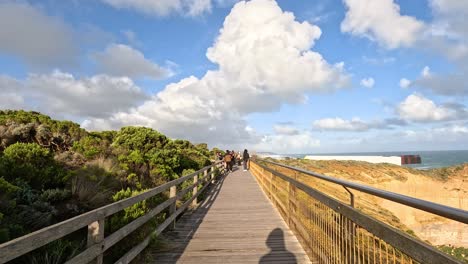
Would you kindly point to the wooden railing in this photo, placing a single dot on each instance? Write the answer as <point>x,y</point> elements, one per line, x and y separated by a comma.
<point>97,244</point>
<point>331,231</point>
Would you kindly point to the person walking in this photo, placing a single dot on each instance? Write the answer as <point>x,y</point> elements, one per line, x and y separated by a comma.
<point>233,160</point>
<point>246,159</point>
<point>228,160</point>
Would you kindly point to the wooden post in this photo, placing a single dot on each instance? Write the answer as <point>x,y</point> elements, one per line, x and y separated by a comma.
<point>212,175</point>
<point>292,201</point>
<point>172,207</point>
<point>289,204</point>
<point>292,205</point>
<point>96,235</point>
<point>272,187</point>
<point>195,190</point>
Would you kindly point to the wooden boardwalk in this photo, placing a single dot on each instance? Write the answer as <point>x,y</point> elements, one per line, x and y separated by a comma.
<point>236,223</point>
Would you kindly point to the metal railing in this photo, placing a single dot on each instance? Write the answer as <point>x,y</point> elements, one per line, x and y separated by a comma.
<point>97,244</point>
<point>334,232</point>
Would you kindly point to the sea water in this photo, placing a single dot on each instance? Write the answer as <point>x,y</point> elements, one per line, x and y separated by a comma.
<point>429,159</point>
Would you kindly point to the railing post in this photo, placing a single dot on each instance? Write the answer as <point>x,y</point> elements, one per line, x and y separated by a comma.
<point>212,175</point>
<point>96,235</point>
<point>195,190</point>
<point>272,188</point>
<point>288,200</point>
<point>291,204</point>
<point>172,208</point>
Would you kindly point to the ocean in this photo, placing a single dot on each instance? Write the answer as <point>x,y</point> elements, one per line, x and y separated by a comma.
<point>429,159</point>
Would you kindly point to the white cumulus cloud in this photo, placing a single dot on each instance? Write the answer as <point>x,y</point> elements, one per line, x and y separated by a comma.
<point>405,83</point>
<point>355,124</point>
<point>264,61</point>
<point>447,34</point>
<point>303,142</point>
<point>421,109</point>
<point>426,72</point>
<point>95,96</point>
<point>61,94</point>
<point>10,97</point>
<point>123,60</point>
<point>337,123</point>
<point>283,129</point>
<point>381,21</point>
<point>368,82</point>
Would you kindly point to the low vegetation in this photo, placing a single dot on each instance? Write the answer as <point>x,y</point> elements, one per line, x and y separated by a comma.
<point>52,170</point>
<point>460,253</point>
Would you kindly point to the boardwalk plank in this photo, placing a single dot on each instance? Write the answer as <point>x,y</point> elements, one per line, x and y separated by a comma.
<point>236,223</point>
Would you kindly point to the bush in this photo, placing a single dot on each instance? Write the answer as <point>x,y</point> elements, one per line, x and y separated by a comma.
<point>52,170</point>
<point>56,252</point>
<point>96,144</point>
<point>129,214</point>
<point>93,186</point>
<point>7,188</point>
<point>28,127</point>
<point>460,253</point>
<point>32,164</point>
<point>55,195</point>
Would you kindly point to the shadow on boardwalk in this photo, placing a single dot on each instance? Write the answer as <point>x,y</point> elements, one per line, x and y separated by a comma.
<point>232,225</point>
<point>278,252</point>
<point>188,224</point>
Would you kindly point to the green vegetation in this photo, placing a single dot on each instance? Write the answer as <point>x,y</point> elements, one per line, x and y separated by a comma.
<point>460,253</point>
<point>33,127</point>
<point>445,172</point>
<point>52,170</point>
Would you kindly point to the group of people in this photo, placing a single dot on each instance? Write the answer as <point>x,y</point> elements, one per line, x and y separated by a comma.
<point>231,158</point>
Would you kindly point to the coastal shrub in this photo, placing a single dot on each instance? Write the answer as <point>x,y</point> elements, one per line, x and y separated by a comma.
<point>92,186</point>
<point>55,195</point>
<point>88,146</point>
<point>56,252</point>
<point>33,127</point>
<point>446,172</point>
<point>95,144</point>
<point>140,149</point>
<point>461,253</point>
<point>7,188</point>
<point>129,214</point>
<point>186,184</point>
<point>33,164</point>
<point>52,170</point>
<point>191,156</point>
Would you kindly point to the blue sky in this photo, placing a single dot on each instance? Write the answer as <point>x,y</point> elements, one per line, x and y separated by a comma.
<point>281,76</point>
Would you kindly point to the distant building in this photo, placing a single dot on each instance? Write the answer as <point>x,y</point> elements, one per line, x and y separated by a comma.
<point>397,160</point>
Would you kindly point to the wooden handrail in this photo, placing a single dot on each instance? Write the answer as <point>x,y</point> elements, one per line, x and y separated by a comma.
<point>94,219</point>
<point>334,231</point>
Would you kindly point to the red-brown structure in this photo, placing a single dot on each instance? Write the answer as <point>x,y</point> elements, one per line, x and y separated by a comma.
<point>410,159</point>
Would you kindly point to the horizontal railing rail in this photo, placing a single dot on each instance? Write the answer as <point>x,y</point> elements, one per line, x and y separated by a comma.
<point>333,232</point>
<point>97,244</point>
<point>434,208</point>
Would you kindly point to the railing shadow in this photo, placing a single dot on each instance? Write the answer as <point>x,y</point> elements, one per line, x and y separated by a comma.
<point>188,224</point>
<point>278,252</point>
